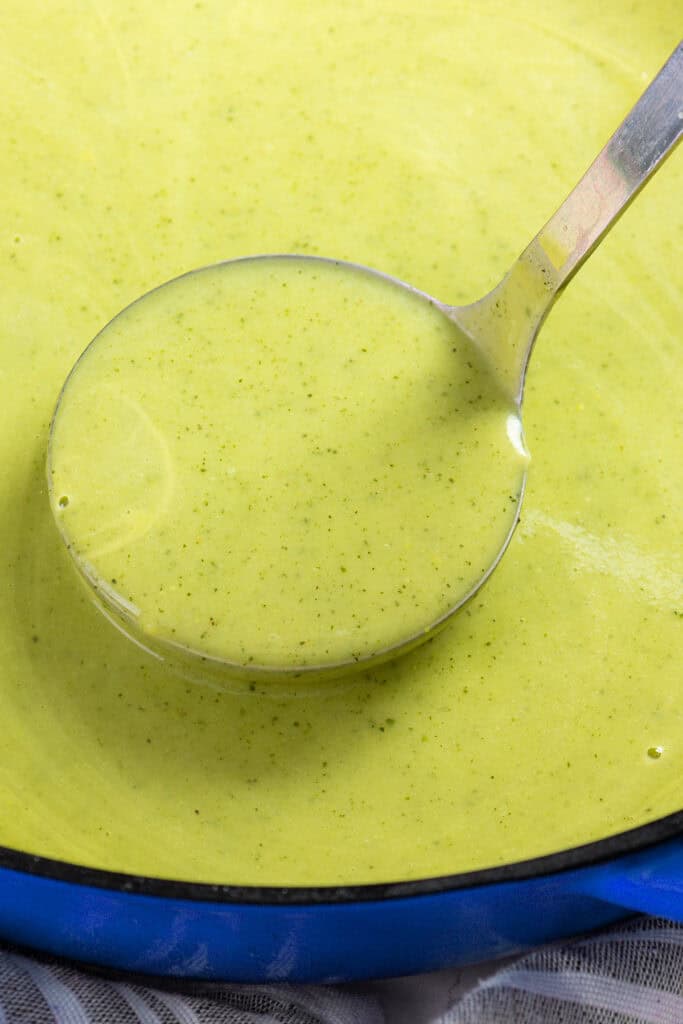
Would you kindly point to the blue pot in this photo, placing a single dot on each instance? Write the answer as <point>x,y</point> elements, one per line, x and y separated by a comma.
<point>158,927</point>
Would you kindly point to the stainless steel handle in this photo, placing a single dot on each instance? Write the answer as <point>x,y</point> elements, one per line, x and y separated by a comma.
<point>642,141</point>
<point>506,321</point>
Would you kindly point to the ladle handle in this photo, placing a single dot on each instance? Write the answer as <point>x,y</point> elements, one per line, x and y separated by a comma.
<point>506,321</point>
<point>635,151</point>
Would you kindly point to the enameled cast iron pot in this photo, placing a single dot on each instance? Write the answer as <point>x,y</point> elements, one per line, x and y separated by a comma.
<point>158,927</point>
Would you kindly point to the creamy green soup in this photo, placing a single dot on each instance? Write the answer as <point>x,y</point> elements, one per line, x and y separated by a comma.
<point>431,143</point>
<point>284,463</point>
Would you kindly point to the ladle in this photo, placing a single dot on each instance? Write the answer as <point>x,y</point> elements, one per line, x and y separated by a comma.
<point>357,588</point>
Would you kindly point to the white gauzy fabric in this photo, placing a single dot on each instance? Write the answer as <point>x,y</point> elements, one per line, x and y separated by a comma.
<point>630,974</point>
<point>43,992</point>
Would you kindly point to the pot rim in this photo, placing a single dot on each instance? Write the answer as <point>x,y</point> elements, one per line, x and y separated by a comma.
<point>585,855</point>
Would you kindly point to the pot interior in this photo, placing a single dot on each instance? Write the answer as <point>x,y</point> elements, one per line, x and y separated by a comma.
<point>432,145</point>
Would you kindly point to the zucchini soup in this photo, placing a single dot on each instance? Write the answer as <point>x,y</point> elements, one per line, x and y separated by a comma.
<point>283,464</point>
<point>430,143</point>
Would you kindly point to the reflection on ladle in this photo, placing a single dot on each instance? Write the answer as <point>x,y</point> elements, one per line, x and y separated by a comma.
<point>295,466</point>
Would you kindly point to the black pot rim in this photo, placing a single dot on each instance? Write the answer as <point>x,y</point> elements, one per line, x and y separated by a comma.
<point>590,854</point>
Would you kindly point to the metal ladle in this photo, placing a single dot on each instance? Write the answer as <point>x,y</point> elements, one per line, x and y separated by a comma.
<point>503,326</point>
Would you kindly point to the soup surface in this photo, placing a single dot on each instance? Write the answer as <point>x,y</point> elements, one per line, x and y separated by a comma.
<point>283,463</point>
<point>431,144</point>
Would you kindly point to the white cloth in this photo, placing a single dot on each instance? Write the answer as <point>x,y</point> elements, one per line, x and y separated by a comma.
<point>629,974</point>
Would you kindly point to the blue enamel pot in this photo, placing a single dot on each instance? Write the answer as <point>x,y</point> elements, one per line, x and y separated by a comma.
<point>174,928</point>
